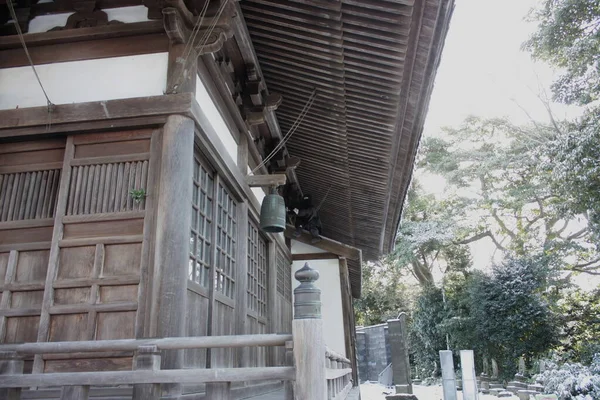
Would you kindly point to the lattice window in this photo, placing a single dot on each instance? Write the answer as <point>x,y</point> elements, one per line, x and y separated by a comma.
<point>284,277</point>
<point>257,271</point>
<point>226,243</point>
<point>202,210</point>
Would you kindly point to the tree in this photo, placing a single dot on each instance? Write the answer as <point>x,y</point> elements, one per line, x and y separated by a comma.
<point>512,314</point>
<point>426,238</point>
<point>384,295</point>
<point>505,178</point>
<point>568,36</point>
<point>427,336</point>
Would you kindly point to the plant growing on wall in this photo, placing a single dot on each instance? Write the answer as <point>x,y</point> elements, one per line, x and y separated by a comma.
<point>138,195</point>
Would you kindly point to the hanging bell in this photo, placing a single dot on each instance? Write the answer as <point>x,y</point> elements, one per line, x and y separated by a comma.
<point>272,213</point>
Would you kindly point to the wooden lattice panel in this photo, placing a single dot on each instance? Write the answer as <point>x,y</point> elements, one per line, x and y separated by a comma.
<point>28,195</point>
<point>105,188</point>
<point>284,276</point>
<point>257,271</point>
<point>200,238</point>
<point>225,267</point>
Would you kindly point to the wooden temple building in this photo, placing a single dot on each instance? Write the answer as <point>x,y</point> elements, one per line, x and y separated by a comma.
<point>138,139</point>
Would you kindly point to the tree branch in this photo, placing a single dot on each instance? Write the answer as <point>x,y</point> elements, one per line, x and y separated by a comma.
<point>480,236</point>
<point>578,234</point>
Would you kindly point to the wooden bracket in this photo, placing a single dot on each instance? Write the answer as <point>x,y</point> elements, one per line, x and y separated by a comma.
<point>266,180</point>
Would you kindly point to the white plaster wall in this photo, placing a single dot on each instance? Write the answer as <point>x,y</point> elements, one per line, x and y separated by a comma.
<point>216,120</point>
<point>331,295</point>
<point>83,81</point>
<point>44,23</point>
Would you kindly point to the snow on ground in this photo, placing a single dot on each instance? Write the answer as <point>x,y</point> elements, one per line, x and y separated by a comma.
<point>375,391</point>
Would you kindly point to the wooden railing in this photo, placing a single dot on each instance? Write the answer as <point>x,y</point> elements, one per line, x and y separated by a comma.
<point>307,376</point>
<point>338,374</point>
<point>146,375</point>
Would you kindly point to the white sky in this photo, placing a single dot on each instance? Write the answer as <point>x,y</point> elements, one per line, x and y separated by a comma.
<point>484,72</point>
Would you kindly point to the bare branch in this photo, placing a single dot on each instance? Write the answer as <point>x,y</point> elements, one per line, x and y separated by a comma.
<point>480,236</point>
<point>587,265</point>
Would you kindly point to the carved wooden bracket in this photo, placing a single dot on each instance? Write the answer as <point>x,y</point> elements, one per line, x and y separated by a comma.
<point>179,32</point>
<point>255,100</point>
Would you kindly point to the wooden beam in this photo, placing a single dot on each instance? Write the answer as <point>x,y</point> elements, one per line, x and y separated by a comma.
<point>341,249</point>
<point>81,34</point>
<point>314,256</point>
<point>86,50</point>
<point>95,111</point>
<point>266,180</point>
<point>348,318</point>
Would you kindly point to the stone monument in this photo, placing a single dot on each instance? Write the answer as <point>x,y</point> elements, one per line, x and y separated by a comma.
<point>398,339</point>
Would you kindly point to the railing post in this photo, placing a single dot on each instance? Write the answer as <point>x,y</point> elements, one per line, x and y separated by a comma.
<point>307,330</point>
<point>10,364</point>
<point>147,358</point>
<point>75,393</point>
<point>218,391</point>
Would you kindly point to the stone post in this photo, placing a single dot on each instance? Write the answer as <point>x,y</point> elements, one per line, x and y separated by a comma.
<point>398,338</point>
<point>448,377</point>
<point>469,379</point>
<point>307,331</point>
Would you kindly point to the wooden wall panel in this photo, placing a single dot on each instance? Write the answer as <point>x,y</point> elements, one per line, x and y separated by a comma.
<point>223,324</point>
<point>68,327</point>
<point>257,356</point>
<point>115,325</point>
<point>122,259</point>
<point>76,262</point>
<point>21,329</point>
<point>196,318</point>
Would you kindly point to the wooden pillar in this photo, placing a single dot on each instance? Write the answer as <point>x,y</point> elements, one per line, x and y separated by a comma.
<point>241,301</point>
<point>171,249</point>
<point>147,358</point>
<point>10,364</point>
<point>307,331</point>
<point>348,317</point>
<point>271,296</point>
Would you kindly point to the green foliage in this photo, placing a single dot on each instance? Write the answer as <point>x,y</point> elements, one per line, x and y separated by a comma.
<point>580,316</point>
<point>426,237</point>
<point>427,335</point>
<point>515,183</point>
<point>512,315</point>
<point>573,161</point>
<point>384,296</point>
<point>502,315</point>
<point>568,36</point>
<point>138,194</point>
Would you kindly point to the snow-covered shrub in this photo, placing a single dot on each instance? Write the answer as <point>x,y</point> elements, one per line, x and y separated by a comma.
<point>572,381</point>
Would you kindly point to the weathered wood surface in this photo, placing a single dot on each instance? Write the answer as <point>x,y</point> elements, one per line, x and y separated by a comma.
<point>329,245</point>
<point>75,393</point>
<point>200,342</point>
<point>309,351</point>
<point>95,111</point>
<point>266,180</point>
<point>10,364</point>
<point>172,228</point>
<point>147,377</point>
<point>147,358</point>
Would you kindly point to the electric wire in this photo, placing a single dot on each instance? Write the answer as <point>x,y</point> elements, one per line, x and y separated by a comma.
<point>290,132</point>
<point>187,50</point>
<point>13,15</point>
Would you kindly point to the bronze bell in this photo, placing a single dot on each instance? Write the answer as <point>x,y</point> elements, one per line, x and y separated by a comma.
<point>272,213</point>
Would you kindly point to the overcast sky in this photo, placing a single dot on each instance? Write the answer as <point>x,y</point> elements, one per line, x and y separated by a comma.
<point>484,72</point>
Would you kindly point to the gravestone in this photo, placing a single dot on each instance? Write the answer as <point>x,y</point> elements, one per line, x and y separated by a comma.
<point>469,379</point>
<point>494,376</point>
<point>398,340</point>
<point>448,377</point>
